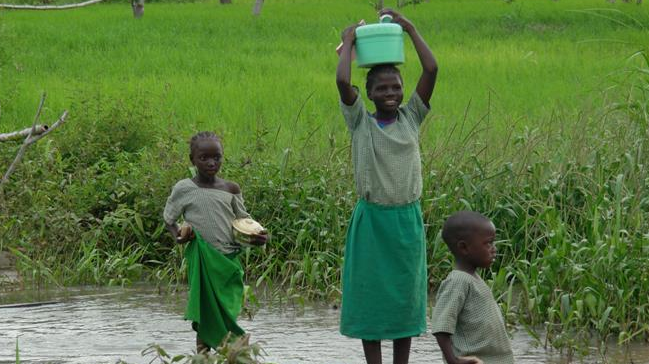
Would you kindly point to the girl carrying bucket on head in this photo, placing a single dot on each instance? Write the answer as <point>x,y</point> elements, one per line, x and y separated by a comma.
<point>209,204</point>
<point>384,273</point>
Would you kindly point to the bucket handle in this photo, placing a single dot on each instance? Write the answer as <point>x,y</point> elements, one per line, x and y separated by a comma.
<point>385,18</point>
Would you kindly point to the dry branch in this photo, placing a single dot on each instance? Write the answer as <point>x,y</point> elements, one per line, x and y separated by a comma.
<point>32,137</point>
<point>49,7</point>
<point>40,129</point>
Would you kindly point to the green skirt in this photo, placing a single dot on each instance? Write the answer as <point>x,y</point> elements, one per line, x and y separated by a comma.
<point>215,291</point>
<point>384,273</point>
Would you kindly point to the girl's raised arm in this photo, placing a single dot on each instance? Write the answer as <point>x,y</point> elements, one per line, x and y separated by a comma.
<point>344,70</point>
<point>426,82</point>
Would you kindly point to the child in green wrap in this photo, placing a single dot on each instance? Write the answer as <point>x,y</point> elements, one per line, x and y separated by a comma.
<point>467,321</point>
<point>384,273</point>
<point>209,204</point>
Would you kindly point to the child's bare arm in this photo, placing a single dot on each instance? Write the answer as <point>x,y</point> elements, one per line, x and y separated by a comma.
<point>344,70</point>
<point>426,82</point>
<point>444,342</point>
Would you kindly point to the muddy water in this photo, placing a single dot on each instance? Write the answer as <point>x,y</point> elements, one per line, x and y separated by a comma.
<point>105,325</point>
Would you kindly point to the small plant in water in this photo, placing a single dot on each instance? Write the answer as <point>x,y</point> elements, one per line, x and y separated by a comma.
<point>232,351</point>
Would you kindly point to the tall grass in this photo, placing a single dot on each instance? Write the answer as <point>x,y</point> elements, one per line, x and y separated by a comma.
<point>512,134</point>
<point>17,352</point>
<point>205,65</point>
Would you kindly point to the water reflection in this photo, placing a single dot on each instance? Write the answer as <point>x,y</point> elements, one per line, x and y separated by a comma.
<point>104,325</point>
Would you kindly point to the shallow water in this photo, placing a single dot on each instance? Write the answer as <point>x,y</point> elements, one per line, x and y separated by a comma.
<point>108,324</point>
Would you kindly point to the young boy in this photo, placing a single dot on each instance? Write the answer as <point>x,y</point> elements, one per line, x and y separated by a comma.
<point>467,322</point>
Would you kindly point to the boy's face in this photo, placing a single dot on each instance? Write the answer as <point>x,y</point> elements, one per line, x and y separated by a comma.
<point>207,156</point>
<point>480,249</point>
<point>386,92</point>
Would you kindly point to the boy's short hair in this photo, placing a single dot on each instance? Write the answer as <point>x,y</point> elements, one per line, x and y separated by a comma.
<point>373,73</point>
<point>460,226</point>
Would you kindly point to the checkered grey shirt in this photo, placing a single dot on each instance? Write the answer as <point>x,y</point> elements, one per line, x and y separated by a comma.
<point>387,163</point>
<point>466,309</point>
<point>210,211</point>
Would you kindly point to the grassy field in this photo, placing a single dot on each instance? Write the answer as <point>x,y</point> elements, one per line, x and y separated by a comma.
<point>540,120</point>
<point>208,66</point>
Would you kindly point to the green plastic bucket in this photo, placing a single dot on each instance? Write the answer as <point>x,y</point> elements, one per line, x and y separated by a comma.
<point>379,43</point>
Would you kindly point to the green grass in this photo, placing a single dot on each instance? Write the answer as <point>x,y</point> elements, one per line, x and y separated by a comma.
<point>204,65</point>
<point>540,120</point>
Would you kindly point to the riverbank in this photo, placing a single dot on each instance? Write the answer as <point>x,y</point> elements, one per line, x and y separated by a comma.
<point>534,123</point>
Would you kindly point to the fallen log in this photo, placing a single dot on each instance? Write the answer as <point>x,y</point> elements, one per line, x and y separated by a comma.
<point>29,304</point>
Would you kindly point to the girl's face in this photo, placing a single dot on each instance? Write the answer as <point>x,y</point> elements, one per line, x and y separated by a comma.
<point>207,156</point>
<point>480,249</point>
<point>386,92</point>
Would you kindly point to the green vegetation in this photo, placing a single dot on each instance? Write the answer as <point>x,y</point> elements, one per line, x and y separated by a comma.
<point>231,351</point>
<point>205,65</point>
<point>17,352</point>
<point>237,350</point>
<point>540,120</point>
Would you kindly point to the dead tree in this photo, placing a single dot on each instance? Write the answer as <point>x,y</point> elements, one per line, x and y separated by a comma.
<point>256,10</point>
<point>138,8</point>
<point>137,5</point>
<point>35,134</point>
<point>49,7</point>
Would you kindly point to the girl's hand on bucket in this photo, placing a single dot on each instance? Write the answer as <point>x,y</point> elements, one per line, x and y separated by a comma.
<point>349,34</point>
<point>397,18</point>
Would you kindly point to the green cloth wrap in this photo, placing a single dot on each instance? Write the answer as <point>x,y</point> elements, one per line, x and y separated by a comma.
<point>215,291</point>
<point>384,273</point>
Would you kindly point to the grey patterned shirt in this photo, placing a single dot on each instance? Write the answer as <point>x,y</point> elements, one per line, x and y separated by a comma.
<point>210,211</point>
<point>466,309</point>
<point>387,163</point>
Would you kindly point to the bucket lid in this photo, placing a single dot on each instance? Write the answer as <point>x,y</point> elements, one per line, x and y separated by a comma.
<point>378,29</point>
<point>247,226</point>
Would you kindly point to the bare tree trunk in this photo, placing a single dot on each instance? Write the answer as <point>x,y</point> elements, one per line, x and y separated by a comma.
<point>257,9</point>
<point>138,8</point>
<point>40,129</point>
<point>378,5</point>
<point>49,7</point>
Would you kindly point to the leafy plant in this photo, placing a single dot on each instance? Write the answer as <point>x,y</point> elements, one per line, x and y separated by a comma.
<point>237,350</point>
